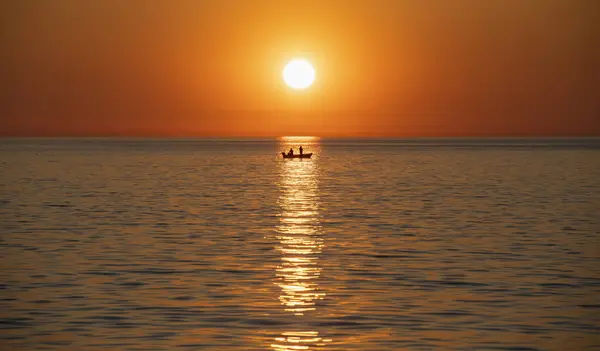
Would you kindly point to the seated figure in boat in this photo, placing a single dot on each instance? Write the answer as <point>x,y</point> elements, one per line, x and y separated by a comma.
<point>291,152</point>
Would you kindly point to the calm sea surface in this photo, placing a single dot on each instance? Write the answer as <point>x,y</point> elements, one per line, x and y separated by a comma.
<point>379,244</point>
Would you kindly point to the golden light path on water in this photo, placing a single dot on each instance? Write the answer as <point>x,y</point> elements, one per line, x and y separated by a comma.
<point>300,243</point>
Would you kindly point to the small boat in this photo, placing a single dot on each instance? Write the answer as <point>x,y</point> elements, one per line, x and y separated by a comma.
<point>296,155</point>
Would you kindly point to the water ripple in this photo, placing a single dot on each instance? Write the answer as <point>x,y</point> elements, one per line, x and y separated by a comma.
<point>154,245</point>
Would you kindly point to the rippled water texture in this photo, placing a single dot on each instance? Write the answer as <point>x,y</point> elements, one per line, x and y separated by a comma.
<point>369,245</point>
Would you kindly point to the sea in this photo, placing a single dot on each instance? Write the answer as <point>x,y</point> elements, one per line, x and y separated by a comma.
<point>371,244</point>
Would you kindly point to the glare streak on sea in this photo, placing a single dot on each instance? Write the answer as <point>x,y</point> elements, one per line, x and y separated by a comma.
<point>371,244</point>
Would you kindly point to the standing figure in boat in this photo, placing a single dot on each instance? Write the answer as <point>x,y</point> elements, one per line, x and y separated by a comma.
<point>300,149</point>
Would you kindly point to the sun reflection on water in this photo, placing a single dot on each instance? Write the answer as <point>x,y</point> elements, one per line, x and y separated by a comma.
<point>292,341</point>
<point>300,243</point>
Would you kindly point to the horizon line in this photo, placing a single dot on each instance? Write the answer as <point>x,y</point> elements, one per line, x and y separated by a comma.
<point>66,136</point>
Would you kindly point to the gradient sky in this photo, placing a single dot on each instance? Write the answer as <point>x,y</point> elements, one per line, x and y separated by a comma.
<point>213,67</point>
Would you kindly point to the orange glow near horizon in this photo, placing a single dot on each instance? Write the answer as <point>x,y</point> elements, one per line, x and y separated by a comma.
<point>299,138</point>
<point>383,68</point>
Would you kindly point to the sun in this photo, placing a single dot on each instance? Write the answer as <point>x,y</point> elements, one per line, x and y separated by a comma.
<point>299,74</point>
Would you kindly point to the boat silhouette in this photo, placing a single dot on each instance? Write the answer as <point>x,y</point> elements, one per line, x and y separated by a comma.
<point>296,155</point>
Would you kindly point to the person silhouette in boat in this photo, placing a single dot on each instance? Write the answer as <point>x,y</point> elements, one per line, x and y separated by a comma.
<point>291,152</point>
<point>300,150</point>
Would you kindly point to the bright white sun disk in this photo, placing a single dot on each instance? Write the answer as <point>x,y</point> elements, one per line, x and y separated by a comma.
<point>299,74</point>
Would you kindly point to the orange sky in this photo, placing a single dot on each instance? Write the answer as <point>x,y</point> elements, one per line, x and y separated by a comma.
<point>213,67</point>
